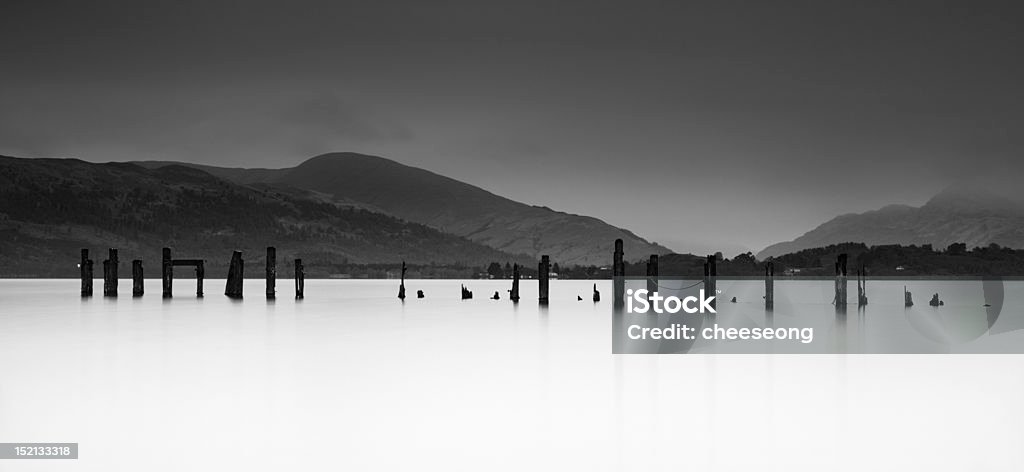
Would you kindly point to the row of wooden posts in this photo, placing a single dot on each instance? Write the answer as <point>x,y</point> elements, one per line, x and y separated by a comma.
<point>233,288</point>
<point>236,272</point>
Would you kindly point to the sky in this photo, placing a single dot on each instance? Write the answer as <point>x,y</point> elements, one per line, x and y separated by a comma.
<point>703,126</point>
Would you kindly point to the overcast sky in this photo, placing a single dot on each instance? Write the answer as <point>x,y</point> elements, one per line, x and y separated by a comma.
<point>720,124</point>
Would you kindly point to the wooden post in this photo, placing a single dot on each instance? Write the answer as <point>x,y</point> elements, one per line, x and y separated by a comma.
<point>908,298</point>
<point>300,280</point>
<point>543,269</point>
<point>138,286</point>
<point>271,272</point>
<point>200,275</point>
<point>711,279</point>
<point>514,293</point>
<point>167,272</point>
<point>110,274</point>
<point>597,295</point>
<point>840,297</point>
<point>652,274</point>
<point>618,275</point>
<point>85,272</point>
<point>401,286</point>
<point>862,287</point>
<point>236,274</point>
<point>769,286</point>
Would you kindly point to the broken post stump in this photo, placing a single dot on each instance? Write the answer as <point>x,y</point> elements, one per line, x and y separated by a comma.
<point>138,286</point>
<point>110,274</point>
<point>85,272</point>
<point>271,272</point>
<point>840,299</point>
<point>401,286</point>
<point>300,280</point>
<point>513,294</point>
<point>597,295</point>
<point>543,271</point>
<point>769,286</point>
<point>652,274</point>
<point>236,273</point>
<point>200,274</point>
<point>908,298</point>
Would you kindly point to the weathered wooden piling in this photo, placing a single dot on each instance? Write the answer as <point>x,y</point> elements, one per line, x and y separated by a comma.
<point>236,274</point>
<point>769,286</point>
<point>466,293</point>
<point>543,271</point>
<point>652,274</point>
<point>401,286</point>
<point>110,274</point>
<point>862,287</point>
<point>618,275</point>
<point>167,272</point>
<point>138,285</point>
<point>597,295</point>
<point>840,296</point>
<point>908,298</point>
<point>513,294</point>
<point>711,279</point>
<point>300,280</point>
<point>85,272</point>
<point>200,275</point>
<point>271,272</point>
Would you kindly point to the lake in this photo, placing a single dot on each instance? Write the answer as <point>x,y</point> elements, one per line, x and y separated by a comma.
<point>353,378</point>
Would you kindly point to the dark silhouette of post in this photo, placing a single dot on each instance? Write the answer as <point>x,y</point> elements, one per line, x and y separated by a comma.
<point>711,279</point>
<point>85,272</point>
<point>466,293</point>
<point>908,298</point>
<point>200,275</point>
<point>401,286</point>
<point>110,274</point>
<point>167,272</point>
<point>769,286</point>
<point>862,287</point>
<point>271,272</point>
<point>300,280</point>
<point>513,294</point>
<point>138,286</point>
<point>652,274</point>
<point>597,295</point>
<point>840,297</point>
<point>618,275</point>
<point>543,269</point>
<point>236,274</point>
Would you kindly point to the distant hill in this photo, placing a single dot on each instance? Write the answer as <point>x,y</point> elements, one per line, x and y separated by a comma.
<point>50,208</point>
<point>971,214</point>
<point>450,206</point>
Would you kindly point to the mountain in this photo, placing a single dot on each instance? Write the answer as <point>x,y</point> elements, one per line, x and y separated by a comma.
<point>450,206</point>
<point>971,213</point>
<point>51,208</point>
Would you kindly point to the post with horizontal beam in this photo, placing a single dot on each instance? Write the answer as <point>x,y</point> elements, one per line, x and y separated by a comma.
<point>167,272</point>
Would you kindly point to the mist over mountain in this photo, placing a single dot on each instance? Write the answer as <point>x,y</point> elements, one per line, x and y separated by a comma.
<point>51,208</point>
<point>976,212</point>
<point>450,206</point>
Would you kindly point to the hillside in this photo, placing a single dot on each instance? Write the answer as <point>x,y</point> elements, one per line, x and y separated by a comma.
<point>972,215</point>
<point>451,206</point>
<point>50,208</point>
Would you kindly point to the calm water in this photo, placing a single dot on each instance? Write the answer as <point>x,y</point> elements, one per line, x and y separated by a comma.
<point>352,378</point>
